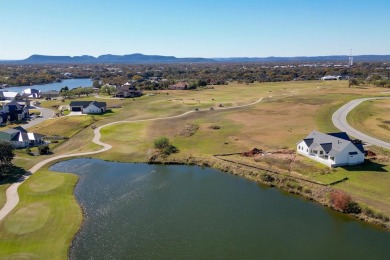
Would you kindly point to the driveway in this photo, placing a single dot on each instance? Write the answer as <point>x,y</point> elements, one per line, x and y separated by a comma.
<point>339,119</point>
<point>45,115</point>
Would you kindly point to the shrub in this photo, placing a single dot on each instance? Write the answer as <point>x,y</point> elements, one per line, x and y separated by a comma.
<point>43,149</point>
<point>161,143</point>
<point>353,207</point>
<point>267,178</point>
<point>292,185</point>
<point>342,201</point>
<point>164,146</point>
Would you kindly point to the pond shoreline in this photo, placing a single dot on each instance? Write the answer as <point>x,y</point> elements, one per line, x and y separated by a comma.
<point>87,176</point>
<point>318,193</point>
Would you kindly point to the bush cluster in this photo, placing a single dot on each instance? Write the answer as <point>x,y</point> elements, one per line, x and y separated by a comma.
<point>343,202</point>
<point>164,146</point>
<point>43,149</point>
<point>267,177</point>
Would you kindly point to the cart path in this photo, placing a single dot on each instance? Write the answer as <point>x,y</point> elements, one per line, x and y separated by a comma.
<point>339,119</point>
<point>12,192</point>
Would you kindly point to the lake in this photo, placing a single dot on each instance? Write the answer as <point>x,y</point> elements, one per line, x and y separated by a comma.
<point>71,83</point>
<point>141,211</point>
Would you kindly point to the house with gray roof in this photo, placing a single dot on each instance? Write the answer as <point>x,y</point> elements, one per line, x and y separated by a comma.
<point>88,107</point>
<point>331,149</point>
<point>20,138</point>
<point>14,111</point>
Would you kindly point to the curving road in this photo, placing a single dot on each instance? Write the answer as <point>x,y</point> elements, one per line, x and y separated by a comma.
<point>12,191</point>
<point>46,114</point>
<point>339,119</point>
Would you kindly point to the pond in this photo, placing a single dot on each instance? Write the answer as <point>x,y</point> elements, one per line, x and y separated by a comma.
<point>70,83</point>
<point>146,211</point>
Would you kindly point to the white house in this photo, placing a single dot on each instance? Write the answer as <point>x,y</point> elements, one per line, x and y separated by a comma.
<point>333,149</point>
<point>20,138</point>
<point>31,93</point>
<point>88,107</point>
<point>10,95</point>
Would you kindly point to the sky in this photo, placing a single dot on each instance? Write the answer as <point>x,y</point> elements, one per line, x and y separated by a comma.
<point>194,28</point>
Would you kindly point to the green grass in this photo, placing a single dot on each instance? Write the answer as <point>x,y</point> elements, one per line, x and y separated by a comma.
<point>3,189</point>
<point>373,118</point>
<point>47,217</point>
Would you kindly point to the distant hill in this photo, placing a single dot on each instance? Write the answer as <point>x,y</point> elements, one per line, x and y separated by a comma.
<point>138,58</point>
<point>108,58</point>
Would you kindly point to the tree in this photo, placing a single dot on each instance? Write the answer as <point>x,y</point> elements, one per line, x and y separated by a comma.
<point>164,146</point>
<point>64,89</point>
<point>138,78</point>
<point>44,149</point>
<point>353,82</point>
<point>202,83</point>
<point>96,84</point>
<point>108,90</point>
<point>6,155</point>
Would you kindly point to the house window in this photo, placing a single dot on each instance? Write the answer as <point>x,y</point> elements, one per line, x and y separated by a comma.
<point>332,158</point>
<point>299,147</point>
<point>321,152</point>
<point>326,157</point>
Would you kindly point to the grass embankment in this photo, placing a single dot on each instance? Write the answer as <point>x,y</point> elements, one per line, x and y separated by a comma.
<point>288,113</point>
<point>373,118</point>
<point>47,217</point>
<point>277,122</point>
<point>3,189</point>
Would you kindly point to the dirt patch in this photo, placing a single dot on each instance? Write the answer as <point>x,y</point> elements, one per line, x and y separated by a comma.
<point>252,152</point>
<point>188,130</point>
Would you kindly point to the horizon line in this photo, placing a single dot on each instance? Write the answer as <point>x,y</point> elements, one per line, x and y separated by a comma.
<point>226,57</point>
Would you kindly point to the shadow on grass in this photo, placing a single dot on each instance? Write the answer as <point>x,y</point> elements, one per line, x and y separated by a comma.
<point>367,166</point>
<point>12,175</point>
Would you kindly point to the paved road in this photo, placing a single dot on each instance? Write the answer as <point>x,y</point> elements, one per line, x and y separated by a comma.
<point>339,119</point>
<point>46,114</point>
<point>12,191</point>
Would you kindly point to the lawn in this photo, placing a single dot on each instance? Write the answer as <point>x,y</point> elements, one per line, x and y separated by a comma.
<point>287,113</point>
<point>373,118</point>
<point>47,217</point>
<point>277,122</point>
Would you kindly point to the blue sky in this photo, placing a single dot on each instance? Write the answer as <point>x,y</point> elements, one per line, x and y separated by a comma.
<point>194,28</point>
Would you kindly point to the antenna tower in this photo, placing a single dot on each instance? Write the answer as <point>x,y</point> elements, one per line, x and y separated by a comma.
<point>350,61</point>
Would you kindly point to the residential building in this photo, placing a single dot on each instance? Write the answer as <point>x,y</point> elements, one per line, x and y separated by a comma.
<point>332,149</point>
<point>50,94</point>
<point>20,138</point>
<point>15,111</point>
<point>179,86</point>
<point>127,92</point>
<point>88,107</point>
<point>10,95</point>
<point>31,93</point>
